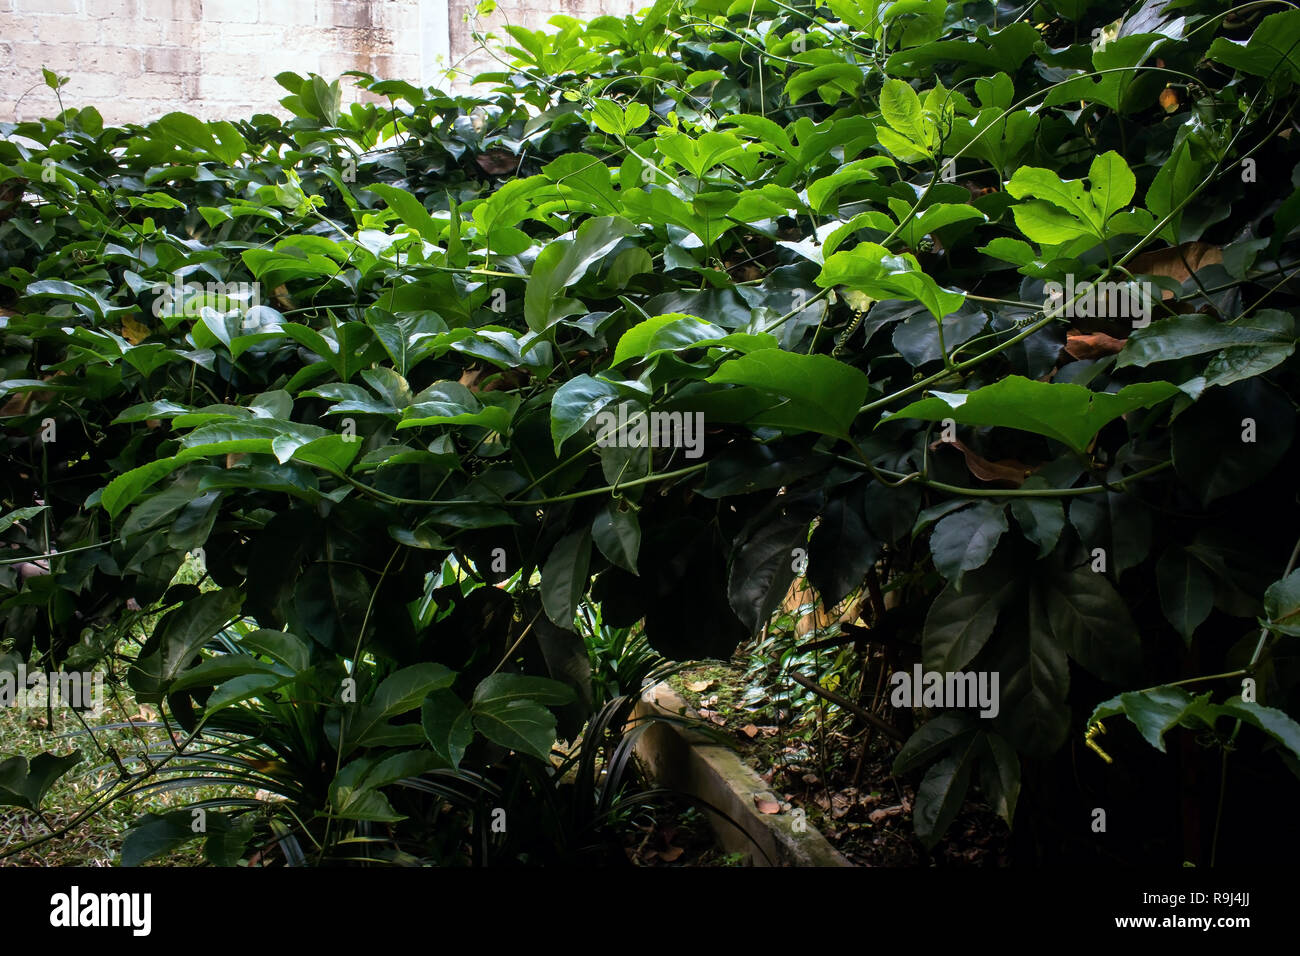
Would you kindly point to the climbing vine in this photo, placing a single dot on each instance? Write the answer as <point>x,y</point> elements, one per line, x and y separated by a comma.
<point>991,303</point>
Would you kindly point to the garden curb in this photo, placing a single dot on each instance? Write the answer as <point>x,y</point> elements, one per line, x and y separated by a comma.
<point>685,759</point>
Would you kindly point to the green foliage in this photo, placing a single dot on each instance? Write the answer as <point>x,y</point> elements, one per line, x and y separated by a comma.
<point>380,394</point>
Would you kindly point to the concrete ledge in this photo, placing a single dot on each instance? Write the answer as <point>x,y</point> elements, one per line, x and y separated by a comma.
<point>685,759</point>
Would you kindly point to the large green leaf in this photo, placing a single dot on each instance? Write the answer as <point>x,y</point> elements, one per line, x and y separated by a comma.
<point>1273,49</point>
<point>1088,617</point>
<point>933,738</point>
<point>410,210</point>
<point>1071,414</point>
<point>1282,605</point>
<point>154,835</point>
<point>1247,346</point>
<point>965,539</point>
<point>25,785</point>
<point>1034,682</point>
<point>517,725</point>
<point>1041,520</point>
<point>577,402</point>
<point>819,393</point>
<point>1277,724</point>
<point>617,534</point>
<point>1000,776</point>
<point>871,269</point>
<point>763,562</point>
<point>401,691</point>
<point>1186,591</point>
<point>509,710</point>
<point>959,623</point>
<point>447,725</point>
<point>900,107</point>
<point>563,263</point>
<point>501,688</point>
<point>942,792</point>
<point>564,577</point>
<point>842,548</point>
<point>181,634</point>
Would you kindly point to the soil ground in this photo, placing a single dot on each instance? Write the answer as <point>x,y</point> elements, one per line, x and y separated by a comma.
<point>866,813</point>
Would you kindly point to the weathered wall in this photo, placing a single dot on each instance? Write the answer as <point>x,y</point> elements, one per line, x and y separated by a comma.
<point>469,57</point>
<point>137,59</point>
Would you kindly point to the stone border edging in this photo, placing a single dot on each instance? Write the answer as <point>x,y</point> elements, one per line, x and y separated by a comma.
<point>685,759</point>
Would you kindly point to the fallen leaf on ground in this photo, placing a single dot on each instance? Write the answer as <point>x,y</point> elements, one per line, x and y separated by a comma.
<point>700,686</point>
<point>884,813</point>
<point>767,803</point>
<point>750,731</point>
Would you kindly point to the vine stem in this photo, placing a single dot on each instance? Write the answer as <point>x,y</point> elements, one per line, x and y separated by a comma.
<point>23,558</point>
<point>511,502</point>
<point>1004,492</point>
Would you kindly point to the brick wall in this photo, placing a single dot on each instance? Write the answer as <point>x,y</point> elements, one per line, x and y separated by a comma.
<point>137,59</point>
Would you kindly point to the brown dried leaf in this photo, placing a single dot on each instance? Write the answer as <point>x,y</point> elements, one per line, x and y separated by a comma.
<point>1091,345</point>
<point>671,854</point>
<point>1007,470</point>
<point>750,731</point>
<point>497,162</point>
<point>1170,262</point>
<point>281,299</point>
<point>16,404</point>
<point>133,331</point>
<point>700,686</point>
<point>767,803</point>
<point>884,813</point>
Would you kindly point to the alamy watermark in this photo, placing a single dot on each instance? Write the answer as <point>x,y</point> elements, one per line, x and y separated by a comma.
<point>133,911</point>
<point>190,298</point>
<point>640,429</point>
<point>81,690</point>
<point>1100,300</point>
<point>951,689</point>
